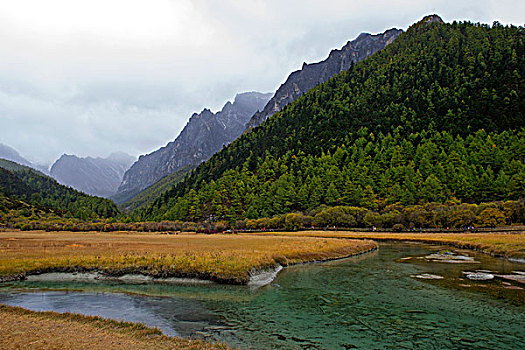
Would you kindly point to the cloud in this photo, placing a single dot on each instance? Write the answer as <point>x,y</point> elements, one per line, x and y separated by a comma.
<point>93,77</point>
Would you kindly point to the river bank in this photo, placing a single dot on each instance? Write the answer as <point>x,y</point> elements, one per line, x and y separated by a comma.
<point>222,258</point>
<point>498,244</point>
<point>23,329</point>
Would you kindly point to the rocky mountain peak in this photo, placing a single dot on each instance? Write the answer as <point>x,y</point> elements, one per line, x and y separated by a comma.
<point>94,176</point>
<point>11,154</point>
<point>204,135</point>
<point>314,74</point>
<point>432,19</point>
<point>362,36</point>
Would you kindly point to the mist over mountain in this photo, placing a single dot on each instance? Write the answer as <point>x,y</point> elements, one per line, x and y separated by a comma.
<point>24,189</point>
<point>314,74</point>
<point>95,176</point>
<point>204,135</point>
<point>9,153</point>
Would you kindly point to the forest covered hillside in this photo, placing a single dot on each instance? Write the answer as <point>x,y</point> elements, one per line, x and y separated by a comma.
<point>435,117</point>
<point>25,191</point>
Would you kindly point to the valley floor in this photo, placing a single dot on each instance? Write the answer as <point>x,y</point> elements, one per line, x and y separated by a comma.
<point>221,257</point>
<point>224,258</point>
<point>499,244</point>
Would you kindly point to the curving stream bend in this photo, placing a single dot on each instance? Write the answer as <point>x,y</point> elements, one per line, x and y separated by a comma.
<point>378,300</point>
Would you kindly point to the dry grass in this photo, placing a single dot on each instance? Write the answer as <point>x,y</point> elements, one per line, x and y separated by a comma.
<point>509,245</point>
<point>224,258</point>
<point>23,329</point>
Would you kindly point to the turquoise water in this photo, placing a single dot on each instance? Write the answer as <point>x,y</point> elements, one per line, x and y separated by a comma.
<point>367,302</point>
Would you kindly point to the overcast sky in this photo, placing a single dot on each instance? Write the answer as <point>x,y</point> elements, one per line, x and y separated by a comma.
<point>98,76</point>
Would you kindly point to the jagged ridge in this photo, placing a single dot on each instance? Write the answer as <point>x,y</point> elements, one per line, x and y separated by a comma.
<point>204,135</point>
<point>94,176</point>
<point>314,74</point>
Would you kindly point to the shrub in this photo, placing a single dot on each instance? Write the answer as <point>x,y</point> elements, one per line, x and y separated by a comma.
<point>240,224</point>
<point>491,217</point>
<point>221,226</point>
<point>293,221</point>
<point>398,227</point>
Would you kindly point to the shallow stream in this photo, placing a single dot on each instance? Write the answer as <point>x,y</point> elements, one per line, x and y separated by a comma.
<point>380,300</point>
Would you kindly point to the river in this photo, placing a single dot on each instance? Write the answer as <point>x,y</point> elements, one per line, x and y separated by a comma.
<point>373,301</point>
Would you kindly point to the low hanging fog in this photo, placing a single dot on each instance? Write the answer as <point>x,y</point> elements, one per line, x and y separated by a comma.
<point>93,77</point>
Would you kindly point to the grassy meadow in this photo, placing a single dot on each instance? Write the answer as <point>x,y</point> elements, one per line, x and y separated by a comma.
<point>220,257</point>
<point>508,245</point>
<point>24,329</point>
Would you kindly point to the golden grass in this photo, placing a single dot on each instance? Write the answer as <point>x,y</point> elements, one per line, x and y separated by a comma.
<point>24,329</point>
<point>509,245</point>
<point>224,258</point>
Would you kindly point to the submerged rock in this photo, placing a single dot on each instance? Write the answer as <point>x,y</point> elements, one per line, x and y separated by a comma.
<point>451,258</point>
<point>428,276</point>
<point>479,276</point>
<point>515,278</point>
<point>514,288</point>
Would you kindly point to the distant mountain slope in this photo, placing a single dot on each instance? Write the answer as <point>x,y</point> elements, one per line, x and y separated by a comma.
<point>95,176</point>
<point>438,115</point>
<point>203,135</point>
<point>30,186</point>
<point>297,84</point>
<point>149,194</point>
<point>314,74</point>
<point>14,166</point>
<point>11,154</point>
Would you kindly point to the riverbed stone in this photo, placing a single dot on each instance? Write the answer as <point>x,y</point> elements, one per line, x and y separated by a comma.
<point>451,258</point>
<point>428,276</point>
<point>514,278</point>
<point>479,276</point>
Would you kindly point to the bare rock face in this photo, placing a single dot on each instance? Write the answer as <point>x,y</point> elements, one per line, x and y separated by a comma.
<point>431,19</point>
<point>204,135</point>
<point>314,74</point>
<point>95,176</point>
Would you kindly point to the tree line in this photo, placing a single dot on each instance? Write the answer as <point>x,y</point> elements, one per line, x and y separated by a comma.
<point>25,192</point>
<point>373,172</point>
<point>457,78</point>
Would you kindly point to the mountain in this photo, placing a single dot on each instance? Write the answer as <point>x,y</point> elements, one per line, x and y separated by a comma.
<point>149,194</point>
<point>297,84</point>
<point>11,154</point>
<point>22,187</point>
<point>314,74</point>
<point>95,176</point>
<point>204,134</point>
<point>438,116</point>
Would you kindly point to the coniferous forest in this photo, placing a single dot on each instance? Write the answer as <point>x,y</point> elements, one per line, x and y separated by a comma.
<point>25,192</point>
<point>436,117</point>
